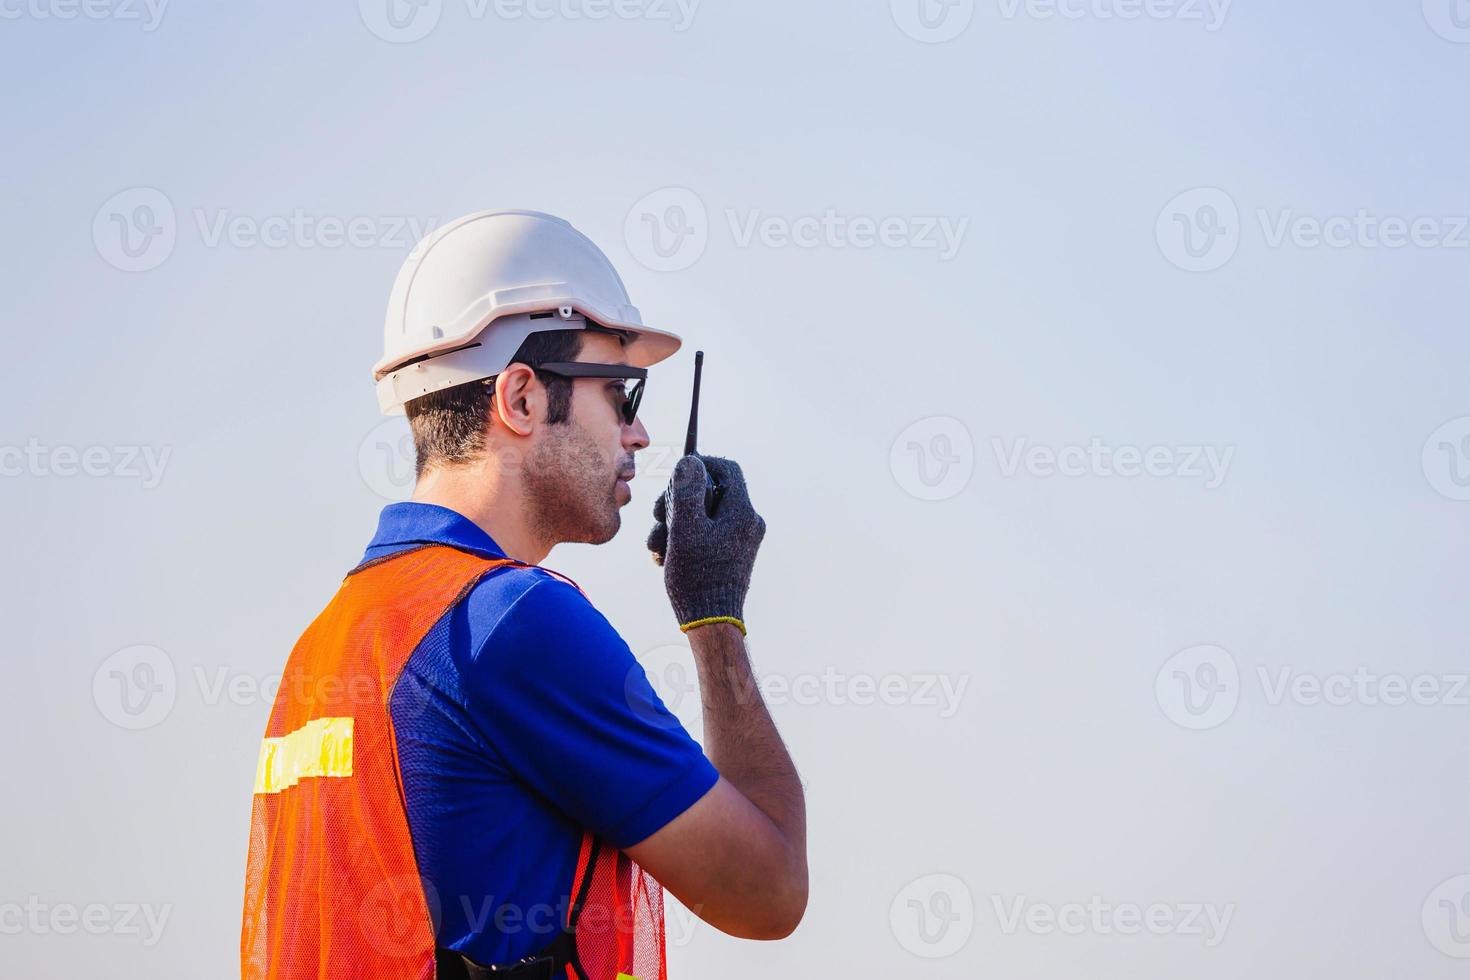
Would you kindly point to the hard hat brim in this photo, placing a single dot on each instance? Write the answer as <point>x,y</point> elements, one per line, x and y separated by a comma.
<point>493,347</point>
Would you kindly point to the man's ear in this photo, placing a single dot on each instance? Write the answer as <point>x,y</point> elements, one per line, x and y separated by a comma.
<point>520,402</point>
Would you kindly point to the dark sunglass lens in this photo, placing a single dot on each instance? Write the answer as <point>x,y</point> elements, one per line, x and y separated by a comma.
<point>630,405</point>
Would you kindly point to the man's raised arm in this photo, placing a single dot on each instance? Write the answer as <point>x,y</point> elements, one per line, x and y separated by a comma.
<point>737,857</point>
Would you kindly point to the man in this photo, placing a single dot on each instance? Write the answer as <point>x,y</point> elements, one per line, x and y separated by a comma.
<point>465,773</point>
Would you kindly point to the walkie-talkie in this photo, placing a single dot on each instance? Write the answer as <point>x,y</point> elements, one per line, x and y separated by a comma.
<point>713,489</point>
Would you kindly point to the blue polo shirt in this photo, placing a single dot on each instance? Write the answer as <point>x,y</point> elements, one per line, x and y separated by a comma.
<point>523,719</point>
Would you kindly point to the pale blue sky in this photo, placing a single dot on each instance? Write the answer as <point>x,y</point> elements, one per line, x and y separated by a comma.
<point>1056,144</point>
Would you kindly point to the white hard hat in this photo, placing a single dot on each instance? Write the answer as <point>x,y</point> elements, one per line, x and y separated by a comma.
<point>475,288</point>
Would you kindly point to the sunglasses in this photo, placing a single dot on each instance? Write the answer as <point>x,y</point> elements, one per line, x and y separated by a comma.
<point>582,369</point>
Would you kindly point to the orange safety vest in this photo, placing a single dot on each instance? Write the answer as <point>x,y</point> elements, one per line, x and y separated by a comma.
<point>332,890</point>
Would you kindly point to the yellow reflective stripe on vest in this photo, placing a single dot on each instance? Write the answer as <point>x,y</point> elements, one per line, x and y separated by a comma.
<point>321,747</point>
<point>624,976</point>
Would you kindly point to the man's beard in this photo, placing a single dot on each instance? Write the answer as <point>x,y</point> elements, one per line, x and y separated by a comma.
<point>571,489</point>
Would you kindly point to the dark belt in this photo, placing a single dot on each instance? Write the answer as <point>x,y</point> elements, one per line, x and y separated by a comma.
<point>549,964</point>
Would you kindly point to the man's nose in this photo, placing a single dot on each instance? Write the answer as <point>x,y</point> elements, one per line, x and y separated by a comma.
<point>635,436</point>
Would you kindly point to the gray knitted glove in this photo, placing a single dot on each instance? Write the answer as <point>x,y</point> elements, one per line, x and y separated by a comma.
<point>706,561</point>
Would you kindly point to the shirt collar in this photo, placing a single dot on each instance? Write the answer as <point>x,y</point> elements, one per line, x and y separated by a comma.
<point>410,524</point>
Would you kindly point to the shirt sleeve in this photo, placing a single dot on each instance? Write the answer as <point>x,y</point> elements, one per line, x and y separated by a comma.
<point>559,695</point>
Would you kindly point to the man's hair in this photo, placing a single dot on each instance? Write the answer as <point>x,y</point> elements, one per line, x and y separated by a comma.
<point>449,425</point>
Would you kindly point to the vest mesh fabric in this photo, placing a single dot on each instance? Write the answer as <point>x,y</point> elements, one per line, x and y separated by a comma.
<point>332,887</point>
